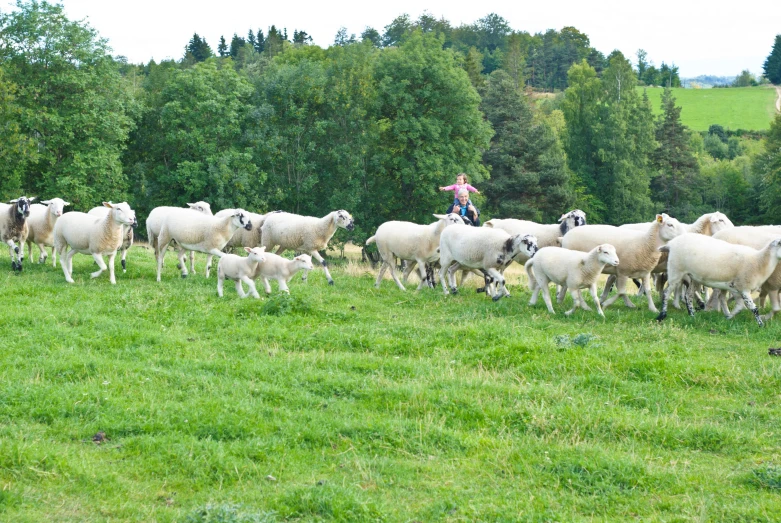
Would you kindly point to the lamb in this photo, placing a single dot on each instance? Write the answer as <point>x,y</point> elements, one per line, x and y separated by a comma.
<point>14,228</point>
<point>572,270</point>
<point>694,258</point>
<point>410,241</point>
<point>305,234</point>
<point>127,233</point>
<point>155,221</point>
<point>757,238</point>
<point>481,248</point>
<point>195,231</point>
<point>89,234</point>
<point>281,269</point>
<point>240,269</point>
<point>637,250</point>
<point>41,227</point>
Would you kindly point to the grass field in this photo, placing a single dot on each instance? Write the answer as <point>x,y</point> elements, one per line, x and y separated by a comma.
<point>347,403</point>
<point>748,108</point>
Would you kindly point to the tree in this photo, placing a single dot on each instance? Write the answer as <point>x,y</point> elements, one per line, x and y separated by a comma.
<point>198,49</point>
<point>676,183</point>
<point>372,35</point>
<point>274,42</point>
<point>342,38</point>
<point>260,41</point>
<point>473,65</point>
<point>642,64</point>
<point>301,37</point>
<point>529,178</point>
<point>251,39</point>
<point>237,43</point>
<point>16,149</point>
<point>396,31</point>
<point>772,65</point>
<point>222,48</point>
<point>768,167</point>
<point>72,103</point>
<point>745,79</point>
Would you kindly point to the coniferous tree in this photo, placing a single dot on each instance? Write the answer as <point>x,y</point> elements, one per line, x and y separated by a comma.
<point>260,41</point>
<point>237,43</point>
<point>222,48</point>
<point>251,39</point>
<point>198,49</point>
<point>768,167</point>
<point>772,66</point>
<point>372,35</point>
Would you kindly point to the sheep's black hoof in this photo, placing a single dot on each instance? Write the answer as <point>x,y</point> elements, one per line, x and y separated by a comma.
<point>454,290</point>
<point>661,317</point>
<point>480,289</point>
<point>330,282</point>
<point>700,305</point>
<point>124,265</point>
<point>16,249</point>
<point>184,276</point>
<point>497,297</point>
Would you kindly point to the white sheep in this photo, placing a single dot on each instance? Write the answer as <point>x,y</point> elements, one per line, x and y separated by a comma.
<point>736,269</point>
<point>155,221</point>
<point>480,248</point>
<point>281,269</point>
<point>14,228</point>
<point>127,233</point>
<point>410,241</point>
<point>41,222</point>
<point>194,231</point>
<point>637,250</point>
<point>240,269</point>
<point>305,234</point>
<point>548,235</point>
<point>243,237</point>
<point>572,270</point>
<point>88,234</point>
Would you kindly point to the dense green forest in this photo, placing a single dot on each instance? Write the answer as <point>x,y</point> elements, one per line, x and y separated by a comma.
<point>372,124</point>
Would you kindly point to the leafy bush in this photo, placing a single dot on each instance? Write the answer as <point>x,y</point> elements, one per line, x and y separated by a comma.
<point>228,514</point>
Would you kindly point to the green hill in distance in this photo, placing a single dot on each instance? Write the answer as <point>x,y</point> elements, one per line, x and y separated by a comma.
<point>747,108</point>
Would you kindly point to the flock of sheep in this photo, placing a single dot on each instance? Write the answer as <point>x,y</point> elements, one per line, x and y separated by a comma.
<point>711,253</point>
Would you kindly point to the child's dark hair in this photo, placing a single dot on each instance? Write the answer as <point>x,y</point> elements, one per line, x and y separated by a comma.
<point>466,180</point>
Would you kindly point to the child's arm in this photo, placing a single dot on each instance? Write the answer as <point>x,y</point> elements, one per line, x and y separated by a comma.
<point>471,189</point>
<point>448,188</point>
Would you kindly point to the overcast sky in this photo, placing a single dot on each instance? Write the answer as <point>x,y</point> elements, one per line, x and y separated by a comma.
<point>700,37</point>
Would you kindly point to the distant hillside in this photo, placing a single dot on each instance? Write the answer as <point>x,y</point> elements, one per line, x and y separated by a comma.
<point>706,81</point>
<point>748,108</point>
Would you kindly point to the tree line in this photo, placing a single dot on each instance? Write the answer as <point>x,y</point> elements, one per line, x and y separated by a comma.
<point>372,124</point>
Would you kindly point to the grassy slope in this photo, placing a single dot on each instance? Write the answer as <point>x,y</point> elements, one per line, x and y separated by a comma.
<point>749,108</point>
<point>372,404</point>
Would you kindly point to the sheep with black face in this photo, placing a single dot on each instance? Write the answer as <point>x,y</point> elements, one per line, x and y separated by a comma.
<point>14,228</point>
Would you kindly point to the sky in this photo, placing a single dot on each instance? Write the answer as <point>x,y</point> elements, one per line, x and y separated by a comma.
<point>699,37</point>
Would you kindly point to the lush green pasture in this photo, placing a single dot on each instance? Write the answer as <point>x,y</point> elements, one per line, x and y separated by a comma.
<point>749,108</point>
<point>348,403</point>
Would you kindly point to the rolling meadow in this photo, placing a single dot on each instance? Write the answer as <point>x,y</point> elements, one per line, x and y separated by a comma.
<point>349,403</point>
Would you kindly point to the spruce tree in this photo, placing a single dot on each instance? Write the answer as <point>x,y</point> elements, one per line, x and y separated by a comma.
<point>222,48</point>
<point>772,67</point>
<point>198,49</point>
<point>768,167</point>
<point>260,41</point>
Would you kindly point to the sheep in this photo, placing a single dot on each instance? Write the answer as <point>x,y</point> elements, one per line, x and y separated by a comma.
<point>572,270</point>
<point>244,238</point>
<point>637,250</point>
<point>481,248</point>
<point>155,221</point>
<point>14,228</point>
<point>240,269</point>
<point>195,231</point>
<point>305,234</point>
<point>281,269</point>
<point>547,234</point>
<point>410,241</point>
<point>127,233</point>
<point>694,258</point>
<point>41,227</point>
<point>89,234</point>
<point>757,238</point>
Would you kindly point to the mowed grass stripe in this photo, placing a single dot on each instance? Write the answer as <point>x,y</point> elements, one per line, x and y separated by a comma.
<point>373,405</point>
<point>747,108</point>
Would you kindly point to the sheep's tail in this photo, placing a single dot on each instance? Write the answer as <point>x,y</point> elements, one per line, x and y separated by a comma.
<point>530,273</point>
<point>371,240</point>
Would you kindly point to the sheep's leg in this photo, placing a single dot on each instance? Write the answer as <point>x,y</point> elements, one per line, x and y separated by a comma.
<point>422,272</point>
<point>380,274</point>
<point>671,287</point>
<point>124,258</point>
<point>561,293</point>
<point>220,283</point>
<point>408,270</point>
<point>180,255</point>
<point>444,266</point>
<point>593,291</point>
<point>192,262</point>
<point>283,285</point>
<point>112,277</point>
<point>391,268</point>
<point>687,297</point>
<point>266,285</point>
<point>67,267</point>
<point>751,306</point>
<point>544,284</point>
<point>648,293</point>
<point>43,255</point>
<point>775,305</point>
<point>535,288</point>
<point>240,289</point>
<point>54,257</point>
<point>162,243</point>
<point>316,256</point>
<point>212,253</point>
<point>611,280</point>
<point>13,250</point>
<point>739,306</point>
<point>251,284</point>
<point>500,289</point>
<point>714,303</point>
<point>620,292</point>
<point>583,304</point>
<point>101,265</point>
<point>577,300</point>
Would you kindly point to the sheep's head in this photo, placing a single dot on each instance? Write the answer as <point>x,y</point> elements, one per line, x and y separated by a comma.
<point>22,206</point>
<point>56,206</point>
<point>241,219</point>
<point>669,227</point>
<point>719,222</point>
<point>571,220</point>
<point>201,207</point>
<point>450,219</point>
<point>122,213</point>
<point>256,254</point>
<point>304,261</point>
<point>606,254</point>
<point>523,244</point>
<point>344,220</point>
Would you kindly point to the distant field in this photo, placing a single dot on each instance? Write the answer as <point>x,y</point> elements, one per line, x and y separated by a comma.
<point>749,108</point>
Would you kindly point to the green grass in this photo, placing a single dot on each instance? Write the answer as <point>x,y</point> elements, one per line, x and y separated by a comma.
<point>747,108</point>
<point>373,405</point>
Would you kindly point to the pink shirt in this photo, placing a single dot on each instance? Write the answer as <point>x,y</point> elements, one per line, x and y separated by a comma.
<point>456,188</point>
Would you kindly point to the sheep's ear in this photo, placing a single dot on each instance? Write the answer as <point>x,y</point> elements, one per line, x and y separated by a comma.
<point>31,199</point>
<point>563,217</point>
<point>65,203</point>
<point>660,218</point>
<point>248,250</point>
<point>46,202</point>
<point>440,216</point>
<point>13,201</point>
<point>108,204</point>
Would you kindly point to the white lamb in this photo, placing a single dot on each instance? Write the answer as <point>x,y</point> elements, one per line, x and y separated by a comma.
<point>480,248</point>
<point>14,228</point>
<point>195,231</point>
<point>410,241</point>
<point>305,234</point>
<point>41,222</point>
<point>155,221</point>
<point>637,250</point>
<point>736,269</point>
<point>127,233</point>
<point>240,269</point>
<point>281,269</point>
<point>572,270</point>
<point>88,234</point>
